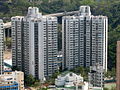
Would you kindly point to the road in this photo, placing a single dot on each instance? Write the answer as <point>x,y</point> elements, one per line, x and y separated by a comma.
<point>8,24</point>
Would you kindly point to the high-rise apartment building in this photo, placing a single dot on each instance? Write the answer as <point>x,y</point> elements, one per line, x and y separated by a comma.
<point>118,66</point>
<point>17,50</point>
<point>1,46</point>
<point>84,39</point>
<point>33,43</point>
<point>50,45</point>
<point>34,48</point>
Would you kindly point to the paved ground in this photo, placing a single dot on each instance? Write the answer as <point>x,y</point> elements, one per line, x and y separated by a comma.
<point>7,59</point>
<point>7,55</point>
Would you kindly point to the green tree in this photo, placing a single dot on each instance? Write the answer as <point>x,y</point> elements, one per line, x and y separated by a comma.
<point>42,89</point>
<point>29,80</point>
<point>83,71</point>
<point>111,73</point>
<point>7,42</point>
<point>105,89</point>
<point>113,88</point>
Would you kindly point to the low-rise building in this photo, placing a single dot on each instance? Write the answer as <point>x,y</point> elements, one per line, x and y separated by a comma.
<point>71,81</point>
<point>95,88</point>
<point>8,85</point>
<point>12,80</point>
<point>96,76</point>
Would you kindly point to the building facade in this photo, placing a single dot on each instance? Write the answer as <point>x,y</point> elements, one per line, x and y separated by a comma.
<point>96,76</point>
<point>33,43</point>
<point>17,50</point>
<point>50,45</point>
<point>118,66</point>
<point>70,81</point>
<point>38,43</point>
<point>59,62</point>
<point>84,39</point>
<point>1,46</point>
<point>12,81</point>
<point>11,86</point>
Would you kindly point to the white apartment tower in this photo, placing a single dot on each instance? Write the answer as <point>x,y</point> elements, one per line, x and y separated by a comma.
<point>84,39</point>
<point>38,43</point>
<point>1,46</point>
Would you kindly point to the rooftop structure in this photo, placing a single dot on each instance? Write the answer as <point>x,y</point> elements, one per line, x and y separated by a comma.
<point>85,10</point>
<point>7,25</point>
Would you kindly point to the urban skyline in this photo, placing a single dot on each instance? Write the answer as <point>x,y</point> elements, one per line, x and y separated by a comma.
<point>35,44</point>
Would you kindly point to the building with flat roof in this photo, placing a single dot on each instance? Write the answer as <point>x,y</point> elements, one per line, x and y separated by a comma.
<point>12,80</point>
<point>8,85</point>
<point>96,76</point>
<point>84,39</point>
<point>34,43</point>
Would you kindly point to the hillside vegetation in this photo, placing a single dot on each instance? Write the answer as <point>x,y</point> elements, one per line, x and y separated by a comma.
<point>110,8</point>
